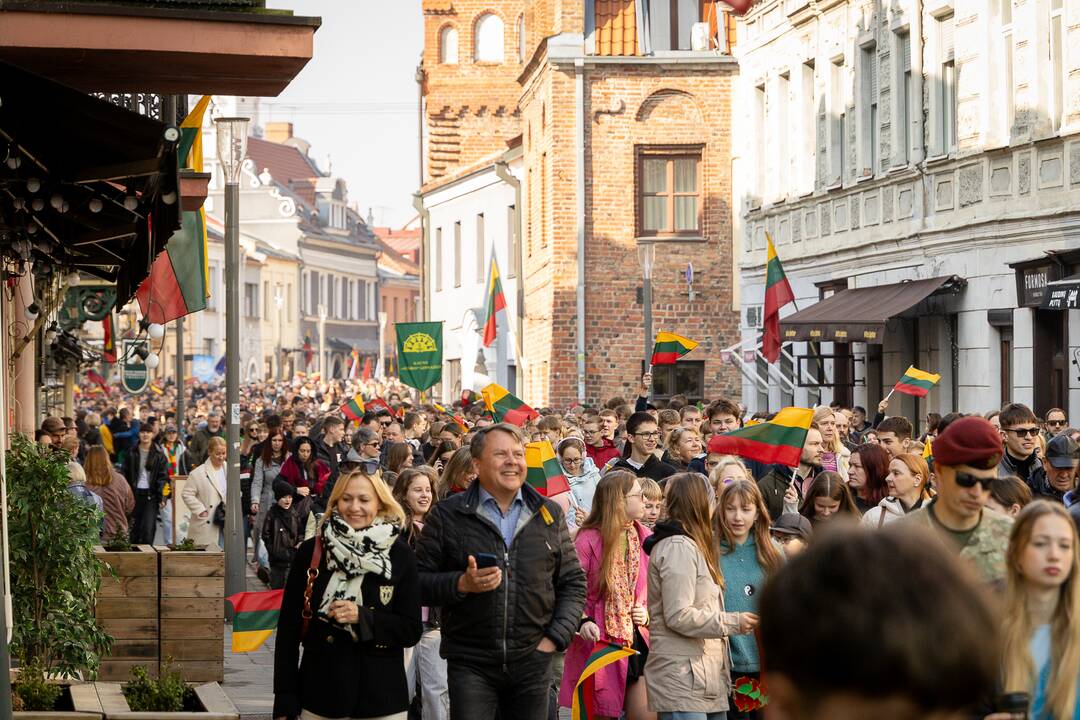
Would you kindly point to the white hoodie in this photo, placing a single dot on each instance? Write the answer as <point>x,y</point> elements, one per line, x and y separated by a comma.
<point>888,510</point>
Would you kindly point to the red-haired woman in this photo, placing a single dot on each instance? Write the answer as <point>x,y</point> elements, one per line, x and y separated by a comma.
<point>868,468</point>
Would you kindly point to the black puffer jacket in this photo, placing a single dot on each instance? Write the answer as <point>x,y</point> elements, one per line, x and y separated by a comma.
<point>543,586</point>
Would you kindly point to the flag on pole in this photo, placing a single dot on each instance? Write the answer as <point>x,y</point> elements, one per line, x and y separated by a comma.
<point>545,475</point>
<point>256,618</point>
<point>670,347</point>
<point>916,382</point>
<point>179,278</point>
<point>778,441</point>
<point>108,351</point>
<point>603,654</point>
<point>366,375</point>
<point>777,295</point>
<point>495,301</point>
<point>220,367</point>
<point>354,409</point>
<point>504,407</point>
<point>309,353</point>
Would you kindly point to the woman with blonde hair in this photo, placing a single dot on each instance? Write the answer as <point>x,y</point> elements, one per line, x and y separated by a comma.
<point>352,599</point>
<point>687,673</point>
<point>609,545</point>
<point>907,481</point>
<point>1042,612</point>
<point>103,480</point>
<point>728,469</point>
<point>834,455</point>
<point>683,448</point>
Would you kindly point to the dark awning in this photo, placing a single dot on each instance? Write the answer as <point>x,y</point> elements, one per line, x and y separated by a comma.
<point>860,314</point>
<point>1062,294</point>
<point>78,159</point>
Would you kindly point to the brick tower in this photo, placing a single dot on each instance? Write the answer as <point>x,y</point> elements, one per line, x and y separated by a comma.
<point>472,59</point>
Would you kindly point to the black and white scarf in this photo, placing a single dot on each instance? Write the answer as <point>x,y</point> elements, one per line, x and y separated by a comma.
<point>352,554</point>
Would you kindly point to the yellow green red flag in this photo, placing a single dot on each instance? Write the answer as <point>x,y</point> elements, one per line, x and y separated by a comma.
<point>603,654</point>
<point>255,620</point>
<point>669,347</point>
<point>545,475</point>
<point>505,407</point>
<point>916,382</point>
<point>776,442</point>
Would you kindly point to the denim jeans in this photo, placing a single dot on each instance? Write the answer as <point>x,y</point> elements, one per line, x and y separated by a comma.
<point>519,690</point>
<point>691,716</point>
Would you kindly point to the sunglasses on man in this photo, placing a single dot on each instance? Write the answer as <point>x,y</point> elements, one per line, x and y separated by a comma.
<point>967,480</point>
<point>1024,432</point>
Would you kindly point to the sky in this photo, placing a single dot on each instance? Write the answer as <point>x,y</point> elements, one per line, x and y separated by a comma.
<point>356,100</point>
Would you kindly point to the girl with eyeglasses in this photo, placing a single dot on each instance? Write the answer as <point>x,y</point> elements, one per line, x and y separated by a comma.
<point>609,546</point>
<point>582,474</point>
<point>1042,612</point>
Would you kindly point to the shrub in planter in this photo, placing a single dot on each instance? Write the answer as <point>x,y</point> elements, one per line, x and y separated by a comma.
<point>54,574</point>
<point>32,692</point>
<point>165,693</point>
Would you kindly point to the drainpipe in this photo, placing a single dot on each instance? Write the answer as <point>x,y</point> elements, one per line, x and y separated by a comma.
<point>579,106</point>
<point>425,239</point>
<point>502,171</point>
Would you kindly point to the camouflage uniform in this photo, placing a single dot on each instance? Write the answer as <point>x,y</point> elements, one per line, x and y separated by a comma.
<point>985,550</point>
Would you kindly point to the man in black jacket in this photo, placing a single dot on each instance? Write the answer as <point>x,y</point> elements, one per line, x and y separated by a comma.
<point>147,470</point>
<point>501,621</point>
<point>643,435</point>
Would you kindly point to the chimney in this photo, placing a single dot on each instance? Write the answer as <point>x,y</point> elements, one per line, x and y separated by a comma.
<point>278,132</point>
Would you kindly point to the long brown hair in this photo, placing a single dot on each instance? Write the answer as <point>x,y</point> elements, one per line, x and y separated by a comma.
<point>1020,676</point>
<point>268,447</point>
<point>832,486</point>
<point>686,498</point>
<point>455,472</point>
<point>875,465</point>
<point>98,469</point>
<point>746,491</point>
<point>608,517</point>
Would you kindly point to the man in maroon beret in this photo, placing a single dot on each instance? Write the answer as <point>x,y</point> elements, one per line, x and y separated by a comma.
<point>966,456</point>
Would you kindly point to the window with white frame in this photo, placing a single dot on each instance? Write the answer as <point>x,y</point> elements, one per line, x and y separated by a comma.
<point>675,25</point>
<point>347,293</point>
<point>868,110</point>
<point>903,139</point>
<point>808,121</point>
<point>1057,64</point>
<point>783,172</point>
<point>1006,107</point>
<point>211,301</point>
<point>480,248</point>
<point>363,297</point>
<point>837,111</point>
<point>448,45</point>
<point>489,39</point>
<point>457,254</point>
<point>314,283</point>
<point>757,121</point>
<point>945,85</point>
<point>438,259</point>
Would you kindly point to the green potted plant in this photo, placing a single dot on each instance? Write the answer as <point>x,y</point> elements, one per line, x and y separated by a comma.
<point>166,696</point>
<point>54,580</point>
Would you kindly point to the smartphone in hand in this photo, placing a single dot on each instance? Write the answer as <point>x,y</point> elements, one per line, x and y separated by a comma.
<point>486,560</point>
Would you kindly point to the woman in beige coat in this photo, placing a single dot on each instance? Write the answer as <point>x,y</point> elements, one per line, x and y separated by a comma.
<point>687,674</point>
<point>203,492</point>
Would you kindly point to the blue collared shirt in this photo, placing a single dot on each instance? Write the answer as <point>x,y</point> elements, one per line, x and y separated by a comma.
<point>507,523</point>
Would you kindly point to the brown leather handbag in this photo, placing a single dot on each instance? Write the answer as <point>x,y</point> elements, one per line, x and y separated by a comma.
<point>312,574</point>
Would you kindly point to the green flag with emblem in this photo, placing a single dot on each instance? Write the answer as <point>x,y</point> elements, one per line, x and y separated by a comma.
<point>419,351</point>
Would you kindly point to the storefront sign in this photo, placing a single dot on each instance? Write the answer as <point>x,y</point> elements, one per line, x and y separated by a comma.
<point>134,376</point>
<point>1033,285</point>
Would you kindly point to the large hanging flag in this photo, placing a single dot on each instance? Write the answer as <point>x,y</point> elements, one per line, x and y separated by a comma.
<point>778,441</point>
<point>916,382</point>
<point>545,475</point>
<point>603,654</point>
<point>354,409</point>
<point>494,302</point>
<point>178,283</point>
<point>777,295</point>
<point>670,347</point>
<point>420,349</point>
<point>108,350</point>
<point>504,407</point>
<point>255,620</point>
<point>309,353</point>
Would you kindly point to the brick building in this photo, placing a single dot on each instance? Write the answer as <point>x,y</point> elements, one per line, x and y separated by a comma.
<point>620,140</point>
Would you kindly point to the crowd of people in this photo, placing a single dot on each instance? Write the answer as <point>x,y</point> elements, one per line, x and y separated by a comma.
<point>424,577</point>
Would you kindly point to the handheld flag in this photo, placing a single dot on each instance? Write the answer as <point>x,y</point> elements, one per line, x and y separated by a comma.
<point>380,403</point>
<point>354,409</point>
<point>916,382</point>
<point>504,407</point>
<point>670,347</point>
<point>95,378</point>
<point>495,302</point>
<point>602,655</point>
<point>545,475</point>
<point>366,375</point>
<point>354,364</point>
<point>777,295</point>
<point>778,441</point>
<point>256,618</point>
<point>220,367</point>
<point>458,420</point>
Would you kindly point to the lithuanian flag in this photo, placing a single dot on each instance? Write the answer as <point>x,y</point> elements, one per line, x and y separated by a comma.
<point>256,618</point>
<point>458,420</point>
<point>778,441</point>
<point>603,654</point>
<point>180,277</point>
<point>504,407</point>
<point>545,475</point>
<point>916,382</point>
<point>354,409</point>
<point>495,302</point>
<point>670,347</point>
<point>777,295</point>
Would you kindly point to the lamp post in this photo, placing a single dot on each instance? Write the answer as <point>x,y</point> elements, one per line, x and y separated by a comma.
<point>646,252</point>
<point>231,149</point>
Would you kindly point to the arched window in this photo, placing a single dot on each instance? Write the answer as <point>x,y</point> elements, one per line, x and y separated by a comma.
<point>521,38</point>
<point>489,39</point>
<point>448,46</point>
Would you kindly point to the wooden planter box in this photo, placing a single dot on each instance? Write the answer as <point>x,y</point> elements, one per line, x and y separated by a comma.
<point>193,613</point>
<point>84,701</point>
<point>127,609</point>
<point>214,704</point>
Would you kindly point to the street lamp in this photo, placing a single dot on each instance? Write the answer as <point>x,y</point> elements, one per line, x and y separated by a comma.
<point>231,149</point>
<point>646,252</point>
